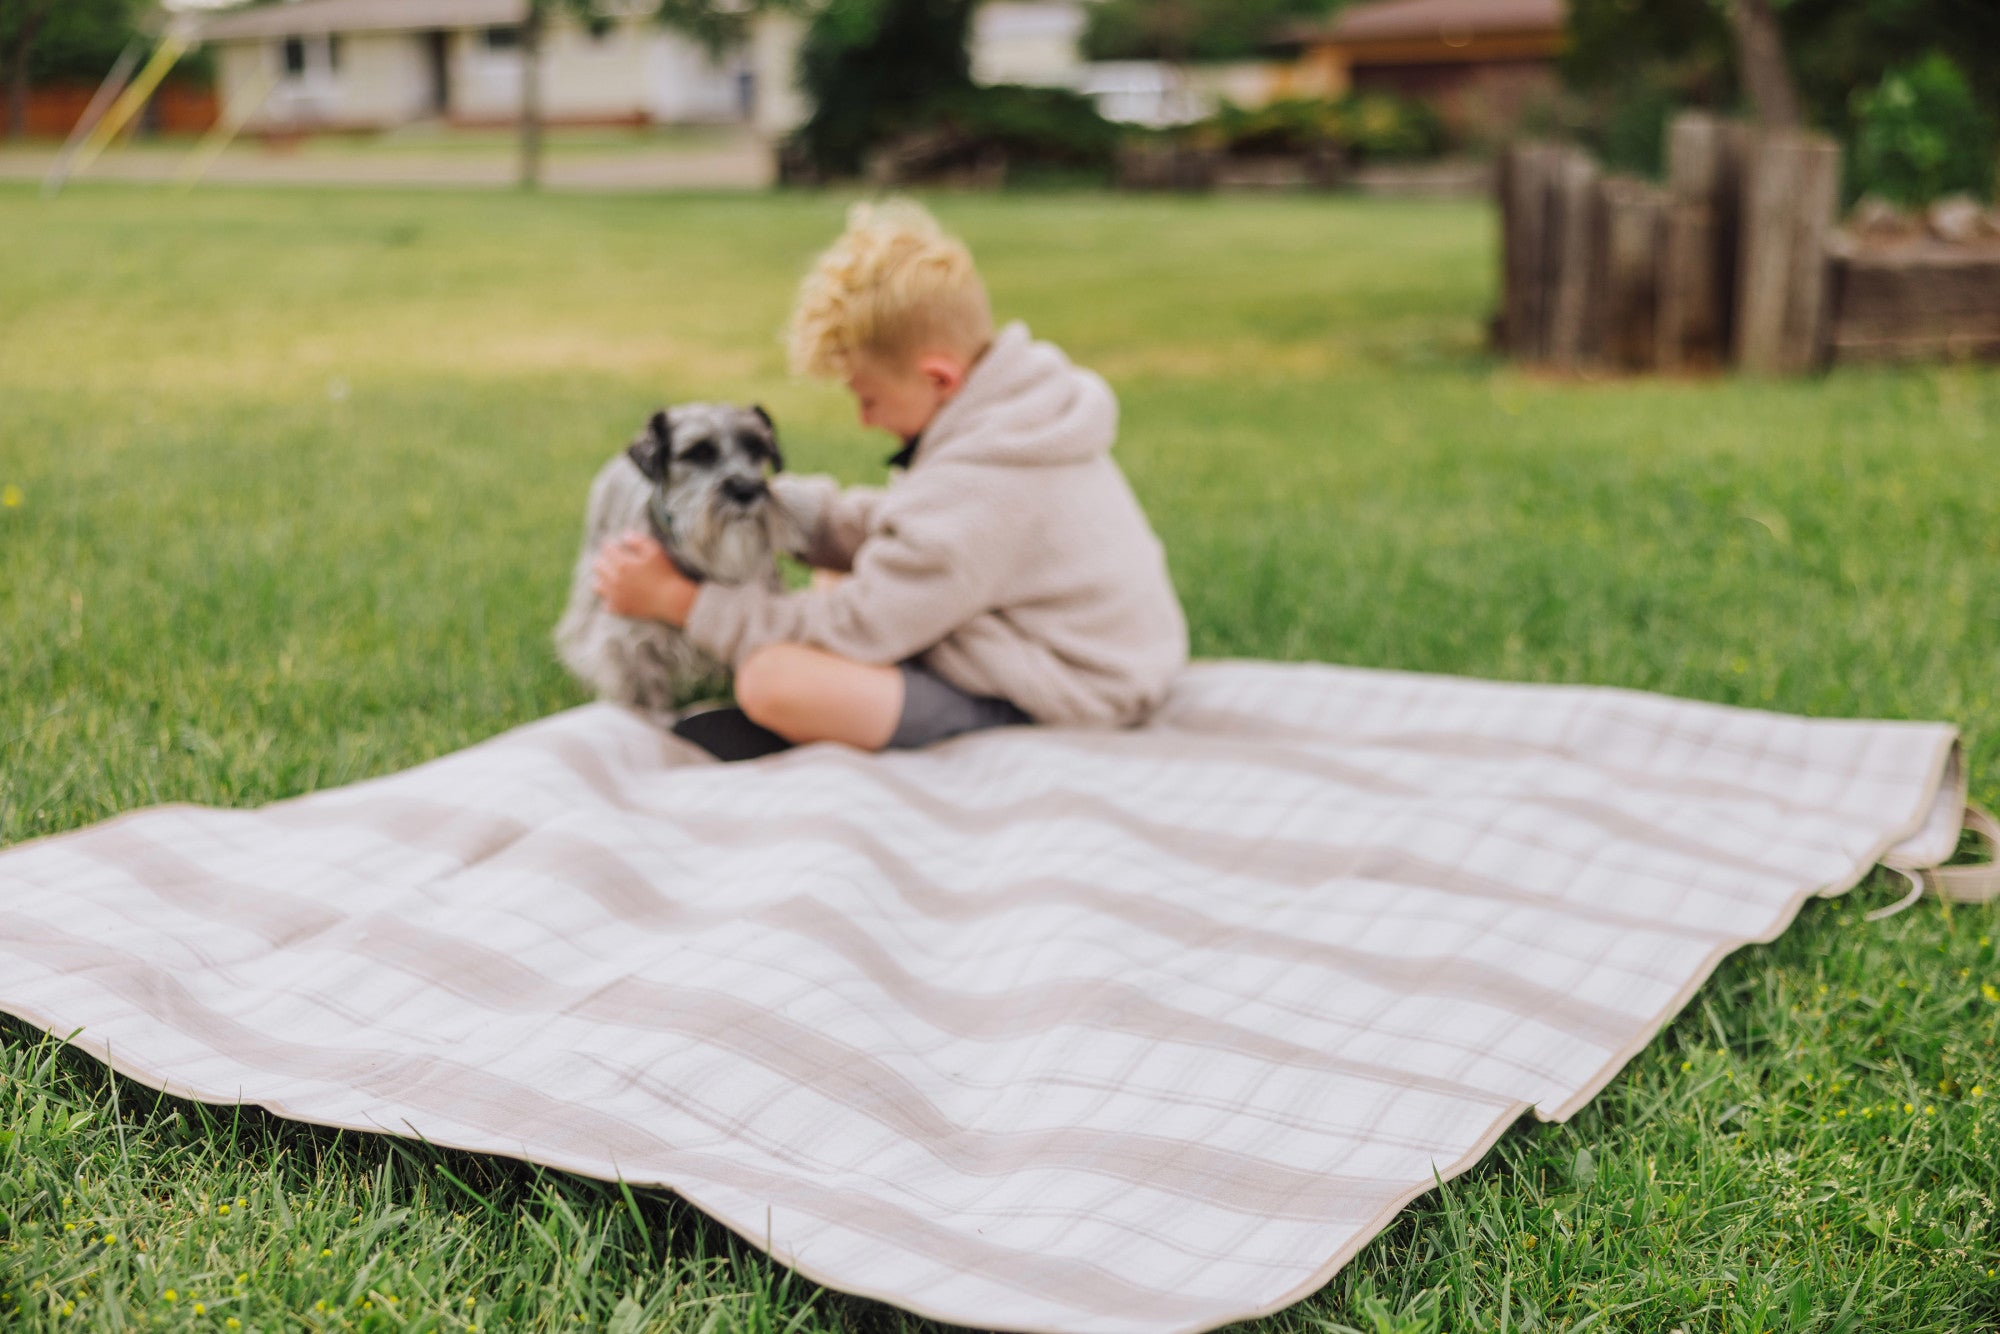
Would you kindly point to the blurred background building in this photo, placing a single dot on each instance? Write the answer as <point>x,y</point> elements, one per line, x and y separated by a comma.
<point>378,64</point>
<point>1180,93</point>
<point>1485,65</point>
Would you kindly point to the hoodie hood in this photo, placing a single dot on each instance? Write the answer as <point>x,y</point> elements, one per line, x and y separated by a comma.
<point>1023,404</point>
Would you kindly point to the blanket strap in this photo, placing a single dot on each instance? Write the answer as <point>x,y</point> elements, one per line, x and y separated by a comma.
<point>1978,882</point>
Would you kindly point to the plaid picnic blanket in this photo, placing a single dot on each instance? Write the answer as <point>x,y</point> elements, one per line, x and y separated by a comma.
<point>1036,1029</point>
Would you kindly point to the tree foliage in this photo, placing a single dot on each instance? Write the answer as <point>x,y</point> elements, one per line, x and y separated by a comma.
<point>1192,29</point>
<point>1633,62</point>
<point>873,68</point>
<point>77,40</point>
<point>1921,135</point>
<point>1835,48</point>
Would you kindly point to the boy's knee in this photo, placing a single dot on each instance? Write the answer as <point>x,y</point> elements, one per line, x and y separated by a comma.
<point>767,685</point>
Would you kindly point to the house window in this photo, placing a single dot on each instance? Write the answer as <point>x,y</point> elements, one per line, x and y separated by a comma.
<point>501,39</point>
<point>295,56</point>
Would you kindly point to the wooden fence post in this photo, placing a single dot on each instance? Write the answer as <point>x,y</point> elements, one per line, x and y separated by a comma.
<point>1574,322</point>
<point>1628,290</point>
<point>1699,241</point>
<point>1791,186</point>
<point>1526,174</point>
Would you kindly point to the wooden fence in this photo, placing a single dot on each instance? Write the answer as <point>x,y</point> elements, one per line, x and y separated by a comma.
<point>1724,265</point>
<point>177,108</point>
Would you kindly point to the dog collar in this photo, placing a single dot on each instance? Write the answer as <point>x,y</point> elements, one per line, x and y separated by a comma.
<point>662,524</point>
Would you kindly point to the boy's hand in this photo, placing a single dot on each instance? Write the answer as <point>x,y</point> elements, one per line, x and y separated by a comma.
<point>634,578</point>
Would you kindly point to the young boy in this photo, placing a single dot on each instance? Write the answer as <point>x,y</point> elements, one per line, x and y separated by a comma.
<point>1006,573</point>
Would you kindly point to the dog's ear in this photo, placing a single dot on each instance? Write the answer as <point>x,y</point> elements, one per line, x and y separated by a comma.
<point>654,447</point>
<point>777,454</point>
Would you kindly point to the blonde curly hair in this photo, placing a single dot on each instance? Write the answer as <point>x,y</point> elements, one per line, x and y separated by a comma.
<point>893,286</point>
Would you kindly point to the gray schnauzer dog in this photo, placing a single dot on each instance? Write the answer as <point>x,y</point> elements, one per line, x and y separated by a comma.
<point>697,477</point>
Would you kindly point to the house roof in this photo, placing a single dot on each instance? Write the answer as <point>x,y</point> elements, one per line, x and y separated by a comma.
<point>1433,20</point>
<point>305,17</point>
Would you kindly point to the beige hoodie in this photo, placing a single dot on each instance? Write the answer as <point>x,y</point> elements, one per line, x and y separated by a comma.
<point>1011,558</point>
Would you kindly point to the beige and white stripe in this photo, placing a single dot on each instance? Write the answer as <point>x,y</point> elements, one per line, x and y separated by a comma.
<point>1033,1030</point>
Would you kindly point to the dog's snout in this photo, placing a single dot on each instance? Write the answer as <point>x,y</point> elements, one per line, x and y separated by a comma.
<point>742,490</point>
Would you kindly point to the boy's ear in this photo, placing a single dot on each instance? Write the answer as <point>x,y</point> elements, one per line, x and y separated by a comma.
<point>777,454</point>
<point>653,447</point>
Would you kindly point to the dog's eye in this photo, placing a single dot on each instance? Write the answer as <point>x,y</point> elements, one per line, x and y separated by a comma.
<point>754,447</point>
<point>700,454</point>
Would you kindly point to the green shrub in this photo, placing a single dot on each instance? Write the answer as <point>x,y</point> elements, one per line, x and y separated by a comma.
<point>1045,127</point>
<point>1192,29</point>
<point>1384,126</point>
<point>1370,125</point>
<point>1921,134</point>
<point>1630,133</point>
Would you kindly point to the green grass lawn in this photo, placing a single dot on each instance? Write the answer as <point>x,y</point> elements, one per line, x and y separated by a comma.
<point>294,481</point>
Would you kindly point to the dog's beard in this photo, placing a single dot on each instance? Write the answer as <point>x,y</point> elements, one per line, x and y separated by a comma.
<point>725,541</point>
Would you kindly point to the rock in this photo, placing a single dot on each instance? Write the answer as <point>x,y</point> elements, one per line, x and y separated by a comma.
<point>1876,219</point>
<point>1955,218</point>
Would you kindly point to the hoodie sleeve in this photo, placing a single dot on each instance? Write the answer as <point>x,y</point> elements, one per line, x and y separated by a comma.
<point>834,520</point>
<point>926,571</point>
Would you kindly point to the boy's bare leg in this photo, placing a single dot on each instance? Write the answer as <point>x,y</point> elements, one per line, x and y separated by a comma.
<point>807,694</point>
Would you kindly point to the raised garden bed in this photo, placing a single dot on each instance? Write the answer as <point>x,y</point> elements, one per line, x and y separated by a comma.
<point>1914,299</point>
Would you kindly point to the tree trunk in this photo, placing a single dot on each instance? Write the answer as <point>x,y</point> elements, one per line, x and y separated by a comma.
<point>531,94</point>
<point>1760,57</point>
<point>32,14</point>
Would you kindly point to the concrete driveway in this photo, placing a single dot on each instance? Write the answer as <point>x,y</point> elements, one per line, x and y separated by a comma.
<point>730,159</point>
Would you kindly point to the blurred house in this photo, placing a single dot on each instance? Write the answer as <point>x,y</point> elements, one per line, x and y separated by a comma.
<point>373,64</point>
<point>1036,42</point>
<point>1142,92</point>
<point>1482,63</point>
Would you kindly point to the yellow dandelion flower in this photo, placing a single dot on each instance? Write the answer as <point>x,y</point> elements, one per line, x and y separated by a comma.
<point>171,1295</point>
<point>1978,1090</point>
<point>324,1252</point>
<point>241,1279</point>
<point>1929,1110</point>
<point>1531,1241</point>
<point>233,1323</point>
<point>222,1208</point>
<point>1686,1066</point>
<point>199,1309</point>
<point>1909,1108</point>
<point>69,1308</point>
<point>69,1227</point>
<point>1988,990</point>
<point>241,1203</point>
<point>11,497</point>
<point>470,1300</point>
<point>320,1305</point>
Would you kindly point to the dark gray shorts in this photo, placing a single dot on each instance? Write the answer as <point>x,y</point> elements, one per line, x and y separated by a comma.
<point>934,708</point>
